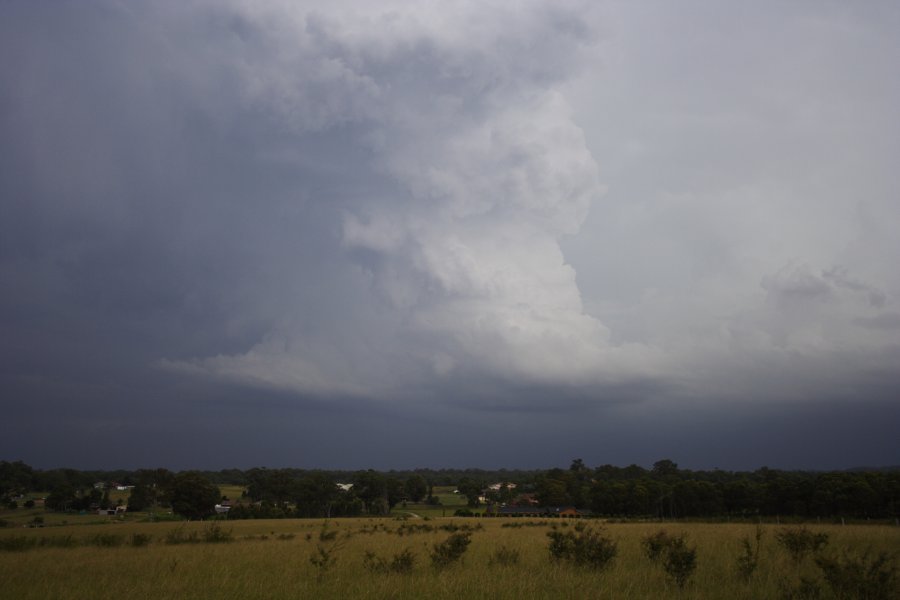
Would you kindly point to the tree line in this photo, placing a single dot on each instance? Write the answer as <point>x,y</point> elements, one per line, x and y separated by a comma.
<point>662,491</point>
<point>665,491</point>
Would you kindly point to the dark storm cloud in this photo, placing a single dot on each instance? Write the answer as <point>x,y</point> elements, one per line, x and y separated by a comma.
<point>324,236</point>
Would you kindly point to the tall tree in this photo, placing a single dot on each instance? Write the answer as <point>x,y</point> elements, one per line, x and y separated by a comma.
<point>416,488</point>
<point>193,496</point>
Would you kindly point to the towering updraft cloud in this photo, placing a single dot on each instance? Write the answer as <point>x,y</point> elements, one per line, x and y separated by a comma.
<point>482,171</point>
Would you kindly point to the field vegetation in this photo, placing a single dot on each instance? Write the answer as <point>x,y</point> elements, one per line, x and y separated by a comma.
<point>447,558</point>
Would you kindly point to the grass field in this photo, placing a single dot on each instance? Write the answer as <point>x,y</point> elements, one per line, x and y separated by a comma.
<point>271,559</point>
<point>449,503</point>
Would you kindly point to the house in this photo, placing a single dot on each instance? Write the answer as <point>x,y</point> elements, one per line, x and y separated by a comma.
<point>222,509</point>
<point>345,487</point>
<point>525,500</point>
<point>111,512</point>
<point>495,487</point>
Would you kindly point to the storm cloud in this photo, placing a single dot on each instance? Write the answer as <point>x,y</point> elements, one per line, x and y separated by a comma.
<point>597,225</point>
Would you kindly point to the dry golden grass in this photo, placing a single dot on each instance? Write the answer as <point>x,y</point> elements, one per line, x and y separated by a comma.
<point>257,564</point>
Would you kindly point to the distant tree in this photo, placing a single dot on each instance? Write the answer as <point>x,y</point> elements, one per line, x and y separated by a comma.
<point>67,497</point>
<point>665,468</point>
<point>502,495</point>
<point>105,501</point>
<point>141,498</point>
<point>394,491</point>
<point>157,486</point>
<point>552,489</point>
<point>15,478</point>
<point>371,487</point>
<point>316,494</point>
<point>416,488</point>
<point>193,496</point>
<point>471,489</point>
<point>578,483</point>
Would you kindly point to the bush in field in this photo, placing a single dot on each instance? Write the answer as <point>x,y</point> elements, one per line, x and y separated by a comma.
<point>656,544</point>
<point>18,543</point>
<point>64,541</point>
<point>411,528</point>
<point>860,577</point>
<point>584,547</point>
<point>139,540</point>
<point>107,540</point>
<point>178,536</point>
<point>800,542</point>
<point>325,556</point>
<point>453,527</point>
<point>504,557</point>
<point>807,589</point>
<point>680,561</point>
<point>401,563</point>
<point>322,559</point>
<point>450,550</point>
<point>214,534</point>
<point>748,560</point>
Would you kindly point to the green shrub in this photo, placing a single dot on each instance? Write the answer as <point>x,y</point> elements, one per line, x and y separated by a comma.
<point>807,589</point>
<point>800,542</point>
<point>748,560</point>
<point>63,541</point>
<point>178,536</point>
<point>18,543</point>
<point>214,534</point>
<point>656,544</point>
<point>680,561</point>
<point>322,559</point>
<point>450,550</point>
<point>453,527</point>
<point>106,540</point>
<point>325,556</point>
<point>586,548</point>
<point>139,540</point>
<point>504,557</point>
<point>860,577</point>
<point>401,563</point>
<point>411,528</point>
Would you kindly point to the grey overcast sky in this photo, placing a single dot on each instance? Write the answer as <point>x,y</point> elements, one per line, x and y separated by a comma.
<point>389,234</point>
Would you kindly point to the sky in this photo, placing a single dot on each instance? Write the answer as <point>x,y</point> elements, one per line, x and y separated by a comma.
<point>404,234</point>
